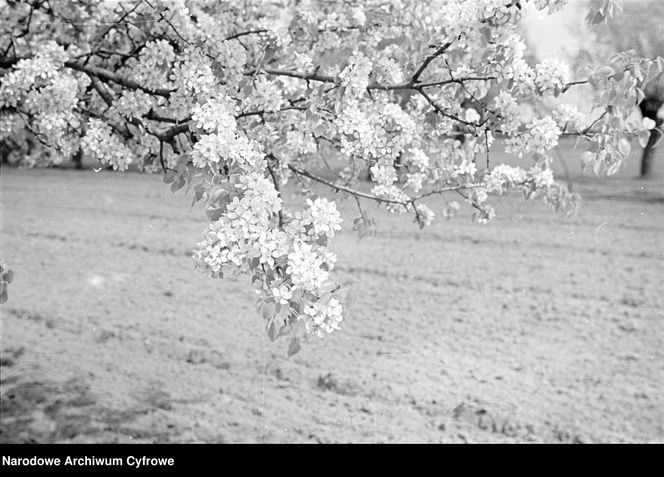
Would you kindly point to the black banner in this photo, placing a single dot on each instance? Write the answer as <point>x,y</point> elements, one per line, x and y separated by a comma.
<point>221,459</point>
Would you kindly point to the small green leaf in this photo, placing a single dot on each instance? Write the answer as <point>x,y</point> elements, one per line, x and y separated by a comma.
<point>169,177</point>
<point>178,184</point>
<point>214,214</point>
<point>587,157</point>
<point>294,347</point>
<point>8,275</point>
<point>325,298</point>
<point>272,331</point>
<point>268,311</point>
<point>597,166</point>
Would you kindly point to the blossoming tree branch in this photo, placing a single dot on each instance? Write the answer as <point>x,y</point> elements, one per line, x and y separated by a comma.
<point>237,100</point>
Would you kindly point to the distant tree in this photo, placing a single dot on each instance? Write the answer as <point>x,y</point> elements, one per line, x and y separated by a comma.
<point>638,26</point>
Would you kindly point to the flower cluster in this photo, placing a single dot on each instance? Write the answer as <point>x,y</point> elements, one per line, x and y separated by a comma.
<point>31,73</point>
<point>418,159</point>
<point>388,71</point>
<point>544,134</point>
<point>511,67</point>
<point>384,174</point>
<point>462,18</point>
<point>551,76</point>
<point>9,125</point>
<point>195,81</point>
<point>379,131</point>
<point>267,96</point>
<point>569,118</point>
<point>215,115</point>
<point>415,180</point>
<point>504,176</point>
<point>102,144</point>
<point>133,104</point>
<point>509,110</point>
<point>154,61</point>
<point>424,215</point>
<point>240,234</point>
<point>320,218</point>
<point>395,196</point>
<point>307,268</point>
<point>224,143</point>
<point>541,177</point>
<point>291,267</point>
<point>233,57</point>
<point>362,137</point>
<point>540,136</point>
<point>325,317</point>
<point>355,77</point>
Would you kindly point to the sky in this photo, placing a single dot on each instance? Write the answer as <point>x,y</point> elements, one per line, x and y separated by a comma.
<point>559,34</point>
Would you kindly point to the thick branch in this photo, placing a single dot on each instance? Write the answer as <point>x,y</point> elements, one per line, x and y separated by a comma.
<point>116,78</point>
<point>170,133</point>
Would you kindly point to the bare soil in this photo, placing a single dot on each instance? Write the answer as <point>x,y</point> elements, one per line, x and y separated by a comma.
<point>533,328</point>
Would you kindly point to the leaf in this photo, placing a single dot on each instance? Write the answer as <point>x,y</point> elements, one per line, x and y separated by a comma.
<point>593,80</point>
<point>198,192</point>
<point>178,184</point>
<point>169,177</point>
<point>273,331</point>
<point>597,166</point>
<point>294,347</point>
<point>587,157</point>
<point>606,71</point>
<point>268,310</point>
<point>254,263</point>
<point>214,214</point>
<point>217,193</point>
<point>8,275</point>
<point>643,137</point>
<point>325,298</point>
<point>284,312</point>
<point>613,168</point>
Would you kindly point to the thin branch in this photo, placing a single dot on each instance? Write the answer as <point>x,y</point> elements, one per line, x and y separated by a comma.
<point>427,61</point>
<point>115,24</point>
<point>442,112</point>
<point>339,187</point>
<point>275,181</point>
<point>249,32</point>
<point>263,111</point>
<point>296,74</point>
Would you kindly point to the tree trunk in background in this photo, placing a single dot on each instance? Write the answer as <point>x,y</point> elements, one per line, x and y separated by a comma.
<point>649,153</point>
<point>649,108</point>
<point>78,160</point>
<point>4,154</point>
